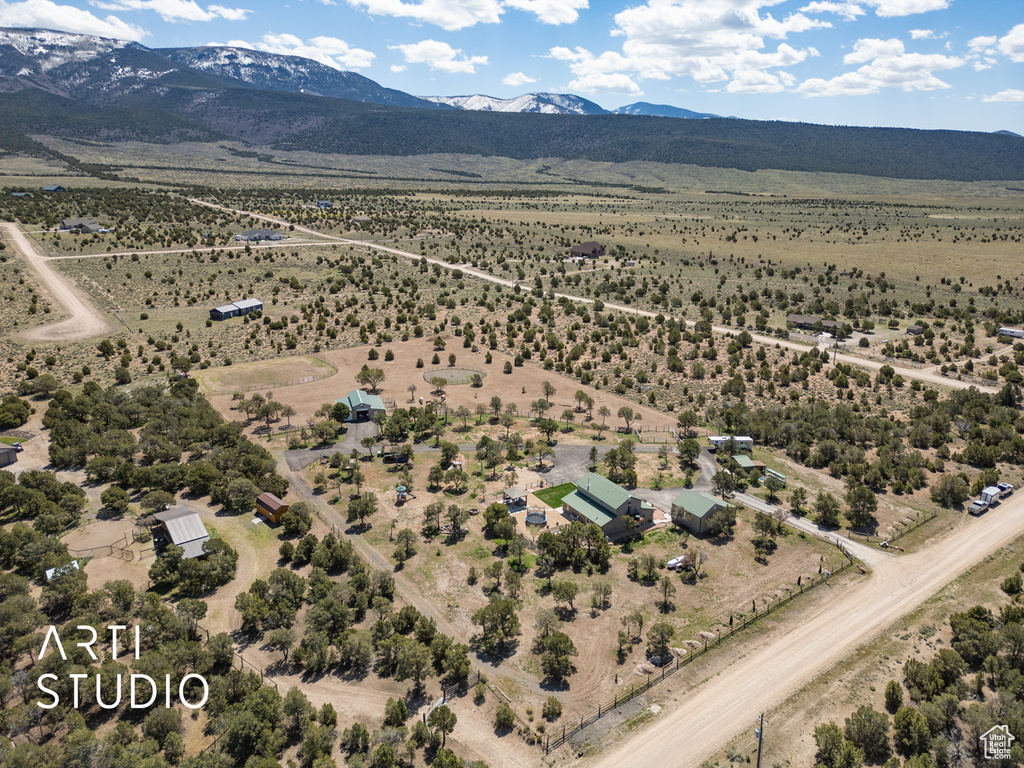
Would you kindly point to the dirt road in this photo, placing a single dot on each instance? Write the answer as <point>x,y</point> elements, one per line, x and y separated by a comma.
<point>907,373</point>
<point>84,320</point>
<point>727,704</point>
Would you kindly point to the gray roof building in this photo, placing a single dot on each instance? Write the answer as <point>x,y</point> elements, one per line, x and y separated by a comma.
<point>255,235</point>
<point>184,528</point>
<point>8,455</point>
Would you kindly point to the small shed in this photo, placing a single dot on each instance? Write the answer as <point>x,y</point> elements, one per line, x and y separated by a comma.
<point>184,528</point>
<point>8,455</point>
<point>692,510</point>
<point>20,194</point>
<point>324,204</point>
<point>746,463</point>
<point>54,188</point>
<point>271,507</point>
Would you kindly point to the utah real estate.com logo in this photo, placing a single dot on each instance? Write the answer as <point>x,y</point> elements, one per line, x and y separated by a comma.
<point>996,742</point>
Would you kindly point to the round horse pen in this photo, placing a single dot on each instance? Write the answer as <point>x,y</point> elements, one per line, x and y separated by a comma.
<point>536,517</point>
<point>453,376</point>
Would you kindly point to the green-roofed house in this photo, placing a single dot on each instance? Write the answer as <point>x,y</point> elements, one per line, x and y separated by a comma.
<point>362,406</point>
<point>692,510</point>
<point>598,500</point>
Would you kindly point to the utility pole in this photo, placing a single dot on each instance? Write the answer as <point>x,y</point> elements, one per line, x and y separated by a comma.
<point>759,735</point>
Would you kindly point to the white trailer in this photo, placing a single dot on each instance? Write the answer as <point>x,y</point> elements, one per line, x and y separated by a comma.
<point>742,442</point>
<point>991,494</point>
<point>1015,333</point>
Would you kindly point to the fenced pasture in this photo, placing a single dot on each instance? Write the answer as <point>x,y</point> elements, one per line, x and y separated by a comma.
<point>264,375</point>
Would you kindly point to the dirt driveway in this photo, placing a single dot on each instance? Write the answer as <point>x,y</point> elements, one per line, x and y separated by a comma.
<point>727,704</point>
<point>84,319</point>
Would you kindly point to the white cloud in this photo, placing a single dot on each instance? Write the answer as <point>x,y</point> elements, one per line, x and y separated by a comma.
<point>175,10</point>
<point>440,56</point>
<point>873,48</point>
<point>980,44</point>
<point>711,41</point>
<point>889,66</point>
<point>598,82</point>
<point>1012,45</point>
<point>759,81</point>
<point>396,68</point>
<point>447,14</point>
<point>922,34</point>
<point>551,11</point>
<point>890,8</point>
<point>329,51</point>
<point>849,11</point>
<point>516,79</point>
<point>231,14</point>
<point>1011,94</point>
<point>49,15</point>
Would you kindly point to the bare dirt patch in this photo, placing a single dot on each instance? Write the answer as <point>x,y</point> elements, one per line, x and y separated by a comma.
<point>264,374</point>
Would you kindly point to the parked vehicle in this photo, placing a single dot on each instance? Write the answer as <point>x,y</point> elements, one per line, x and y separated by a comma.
<point>1005,489</point>
<point>978,506</point>
<point>17,447</point>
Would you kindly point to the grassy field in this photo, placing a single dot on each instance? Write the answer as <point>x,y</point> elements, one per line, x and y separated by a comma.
<point>553,496</point>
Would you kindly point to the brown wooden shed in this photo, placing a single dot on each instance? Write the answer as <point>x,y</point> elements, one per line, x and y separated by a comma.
<point>271,507</point>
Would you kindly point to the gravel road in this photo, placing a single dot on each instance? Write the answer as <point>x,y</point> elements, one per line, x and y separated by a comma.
<point>84,319</point>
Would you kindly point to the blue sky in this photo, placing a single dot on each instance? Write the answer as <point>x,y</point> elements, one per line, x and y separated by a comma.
<point>956,64</point>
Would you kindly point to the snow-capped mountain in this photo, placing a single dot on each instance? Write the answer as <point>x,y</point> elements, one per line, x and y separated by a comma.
<point>275,72</point>
<point>661,110</point>
<point>545,103</point>
<point>62,62</point>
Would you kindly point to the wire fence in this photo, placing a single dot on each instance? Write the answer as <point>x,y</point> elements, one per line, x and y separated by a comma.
<point>918,521</point>
<point>553,742</point>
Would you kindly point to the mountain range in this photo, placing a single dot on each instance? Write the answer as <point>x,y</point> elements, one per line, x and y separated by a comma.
<point>58,62</point>
<point>83,87</point>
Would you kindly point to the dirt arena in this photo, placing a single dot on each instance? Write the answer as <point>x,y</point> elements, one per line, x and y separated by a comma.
<point>521,387</point>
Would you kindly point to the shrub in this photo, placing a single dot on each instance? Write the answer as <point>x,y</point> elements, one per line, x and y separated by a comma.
<point>504,718</point>
<point>552,708</point>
